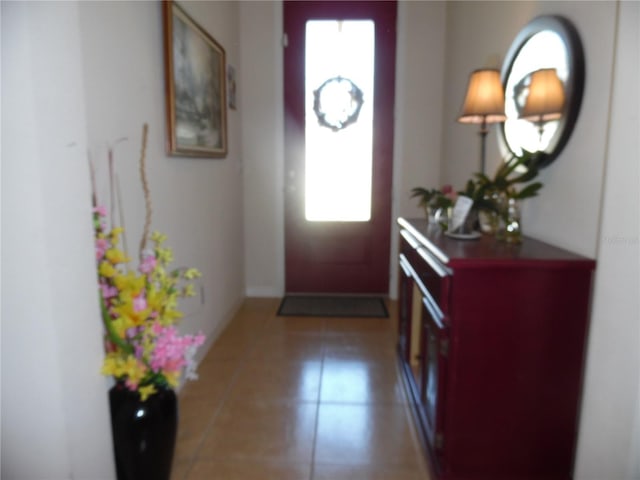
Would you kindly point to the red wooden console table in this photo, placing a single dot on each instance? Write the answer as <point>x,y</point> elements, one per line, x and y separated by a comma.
<point>491,342</point>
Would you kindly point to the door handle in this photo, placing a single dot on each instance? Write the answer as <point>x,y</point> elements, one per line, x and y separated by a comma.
<point>291,184</point>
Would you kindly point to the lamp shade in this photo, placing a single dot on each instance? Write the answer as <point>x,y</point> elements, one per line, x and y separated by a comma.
<point>484,102</point>
<point>546,97</point>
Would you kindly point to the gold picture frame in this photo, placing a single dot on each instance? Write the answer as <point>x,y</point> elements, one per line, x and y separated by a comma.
<point>195,77</point>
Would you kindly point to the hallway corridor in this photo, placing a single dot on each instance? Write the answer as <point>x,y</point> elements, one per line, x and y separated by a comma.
<point>298,398</point>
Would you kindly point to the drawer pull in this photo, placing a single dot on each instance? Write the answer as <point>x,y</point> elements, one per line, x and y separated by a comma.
<point>435,265</point>
<point>410,239</point>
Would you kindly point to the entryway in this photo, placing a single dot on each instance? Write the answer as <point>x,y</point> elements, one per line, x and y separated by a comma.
<point>339,82</point>
<point>298,398</point>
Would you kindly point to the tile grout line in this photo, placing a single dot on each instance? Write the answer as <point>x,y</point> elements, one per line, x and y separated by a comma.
<point>315,429</point>
<point>262,331</point>
<point>241,364</point>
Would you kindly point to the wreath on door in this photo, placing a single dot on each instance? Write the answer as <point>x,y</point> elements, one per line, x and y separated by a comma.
<point>337,103</point>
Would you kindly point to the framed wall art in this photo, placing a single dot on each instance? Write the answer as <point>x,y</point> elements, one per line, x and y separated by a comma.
<point>195,71</point>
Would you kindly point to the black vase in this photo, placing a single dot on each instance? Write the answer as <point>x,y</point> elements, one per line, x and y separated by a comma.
<point>144,433</point>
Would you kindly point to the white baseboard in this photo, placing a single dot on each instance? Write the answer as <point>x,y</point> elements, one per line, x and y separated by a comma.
<point>264,292</point>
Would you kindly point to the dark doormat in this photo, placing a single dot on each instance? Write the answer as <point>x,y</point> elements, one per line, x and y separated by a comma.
<point>332,306</point>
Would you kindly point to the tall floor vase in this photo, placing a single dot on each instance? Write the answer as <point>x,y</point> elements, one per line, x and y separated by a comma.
<point>144,433</point>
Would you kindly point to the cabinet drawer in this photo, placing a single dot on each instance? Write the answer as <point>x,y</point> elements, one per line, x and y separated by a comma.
<point>429,271</point>
<point>435,277</point>
<point>409,248</point>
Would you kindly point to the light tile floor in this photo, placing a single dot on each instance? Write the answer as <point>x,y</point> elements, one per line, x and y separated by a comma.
<point>298,398</point>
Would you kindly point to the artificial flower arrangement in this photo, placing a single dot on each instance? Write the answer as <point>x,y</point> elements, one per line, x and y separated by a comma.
<point>139,307</point>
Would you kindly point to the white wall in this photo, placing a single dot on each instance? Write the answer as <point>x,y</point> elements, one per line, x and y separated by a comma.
<point>417,155</point>
<point>196,202</point>
<point>55,420</point>
<point>419,101</point>
<point>89,74</point>
<point>261,101</point>
<point>478,35</point>
<point>610,414</point>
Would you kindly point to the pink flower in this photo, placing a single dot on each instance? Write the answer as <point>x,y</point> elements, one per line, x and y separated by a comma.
<point>157,328</point>
<point>101,247</point>
<point>100,210</point>
<point>148,264</point>
<point>174,364</point>
<point>139,303</point>
<point>171,350</point>
<point>198,340</point>
<point>108,291</point>
<point>446,189</point>
<point>131,385</point>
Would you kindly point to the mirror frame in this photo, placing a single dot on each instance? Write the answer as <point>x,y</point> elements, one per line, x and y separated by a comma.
<point>574,85</point>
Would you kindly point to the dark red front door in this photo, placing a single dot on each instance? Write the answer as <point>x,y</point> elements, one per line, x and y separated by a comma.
<point>338,256</point>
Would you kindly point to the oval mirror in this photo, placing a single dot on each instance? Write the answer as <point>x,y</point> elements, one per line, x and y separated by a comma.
<point>547,53</point>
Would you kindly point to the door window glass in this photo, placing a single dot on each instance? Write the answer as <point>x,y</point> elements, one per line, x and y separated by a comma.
<point>339,67</point>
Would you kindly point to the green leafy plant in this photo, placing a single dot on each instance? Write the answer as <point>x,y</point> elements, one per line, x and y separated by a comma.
<point>512,180</point>
<point>477,191</point>
<point>497,198</point>
<point>434,198</point>
<point>516,170</point>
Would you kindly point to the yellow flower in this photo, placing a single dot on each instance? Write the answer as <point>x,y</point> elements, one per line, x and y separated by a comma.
<point>107,270</point>
<point>111,365</point>
<point>115,255</point>
<point>169,312</point>
<point>148,345</point>
<point>173,314</point>
<point>121,325</point>
<point>158,238</point>
<point>165,255</point>
<point>114,364</point>
<point>115,235</point>
<point>146,391</point>
<point>127,312</point>
<point>155,299</point>
<point>130,283</point>
<point>173,378</point>
<point>169,317</point>
<point>134,370</point>
<point>189,291</point>
<point>192,273</point>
